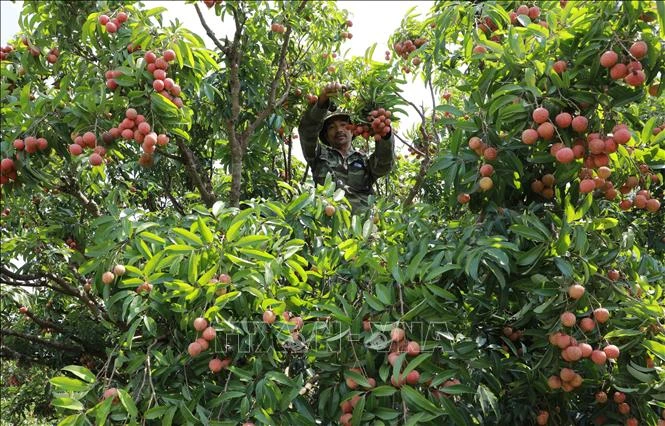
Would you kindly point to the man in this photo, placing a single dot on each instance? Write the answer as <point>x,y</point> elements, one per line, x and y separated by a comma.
<point>350,169</point>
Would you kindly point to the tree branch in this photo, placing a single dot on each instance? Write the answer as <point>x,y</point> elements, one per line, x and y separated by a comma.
<point>413,147</point>
<point>35,339</point>
<point>190,165</point>
<point>209,31</point>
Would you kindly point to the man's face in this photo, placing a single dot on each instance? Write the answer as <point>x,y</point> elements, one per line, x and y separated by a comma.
<point>337,134</point>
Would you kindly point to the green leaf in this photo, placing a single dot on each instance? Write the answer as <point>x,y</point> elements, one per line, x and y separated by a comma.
<point>205,231</point>
<point>67,403</point>
<point>189,236</point>
<point>128,403</point>
<point>384,390</point>
<point>81,372</point>
<point>68,384</point>
<point>417,401</point>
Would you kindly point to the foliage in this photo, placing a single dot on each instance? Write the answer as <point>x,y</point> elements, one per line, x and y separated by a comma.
<point>106,267</point>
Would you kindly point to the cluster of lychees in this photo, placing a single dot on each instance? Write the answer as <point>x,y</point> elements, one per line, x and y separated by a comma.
<point>112,25</point>
<point>5,51</point>
<point>532,12</point>
<point>53,55</point>
<point>31,145</point>
<point>630,68</point>
<point>165,86</point>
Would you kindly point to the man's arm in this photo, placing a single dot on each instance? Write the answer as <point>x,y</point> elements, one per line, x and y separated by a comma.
<point>309,128</point>
<point>382,159</point>
<point>311,122</point>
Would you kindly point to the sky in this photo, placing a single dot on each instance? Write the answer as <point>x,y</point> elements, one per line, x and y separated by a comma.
<point>373,22</point>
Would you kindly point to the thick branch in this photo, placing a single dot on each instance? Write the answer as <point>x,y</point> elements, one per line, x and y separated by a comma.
<point>281,68</point>
<point>190,165</point>
<point>71,188</point>
<point>209,31</point>
<point>35,339</point>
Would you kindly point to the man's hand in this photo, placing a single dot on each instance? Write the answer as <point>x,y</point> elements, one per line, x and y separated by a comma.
<point>328,90</point>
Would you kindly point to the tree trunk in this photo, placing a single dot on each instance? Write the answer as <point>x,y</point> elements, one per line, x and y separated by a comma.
<point>236,171</point>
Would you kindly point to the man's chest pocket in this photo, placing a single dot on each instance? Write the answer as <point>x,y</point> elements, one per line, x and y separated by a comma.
<point>358,175</point>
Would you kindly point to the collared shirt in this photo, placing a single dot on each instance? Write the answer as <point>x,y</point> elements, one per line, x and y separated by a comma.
<point>355,173</point>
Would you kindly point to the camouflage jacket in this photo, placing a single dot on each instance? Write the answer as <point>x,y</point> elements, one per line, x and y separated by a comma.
<point>356,173</point>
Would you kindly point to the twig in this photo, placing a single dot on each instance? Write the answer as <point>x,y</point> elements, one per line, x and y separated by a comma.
<point>209,31</point>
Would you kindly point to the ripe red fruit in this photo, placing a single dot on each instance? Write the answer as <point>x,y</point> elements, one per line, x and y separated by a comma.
<point>598,357</point>
<point>609,59</point>
<point>412,348</point>
<point>269,317</point>
<point>587,185</point>
<point>19,144</point>
<point>639,49</point>
<point>209,334</point>
<point>75,149</point>
<point>111,393</point>
<point>542,418</point>
<point>586,349</point>
<point>490,153</point>
<point>624,408</point>
<point>522,10</point>
<point>573,353</point>
<point>580,124</point>
<point>635,78</point>
<point>169,55</point>
<point>601,397</point>
<point>601,315</point>
<point>653,205</point>
<point>161,64</point>
<point>203,342</point>
<point>103,19</point>
<point>567,374</point>
<point>413,377</point>
<point>563,120</point>
<point>194,349</point>
<point>6,165</point>
<point>554,382</point>
<point>540,115</point>
<point>486,170</point>
<point>144,128</point>
<point>200,324</point>
<point>463,198</point>
<point>618,71</point>
<point>568,319</point>
<point>546,131</point>
<point>159,74</point>
<point>587,324</point>
<point>175,90</point>
<point>121,17</point>
<point>565,155</point>
<point>158,85</point>
<point>345,419</point>
<point>611,351</point>
<point>329,210</point>
<point>23,310</point>
<point>215,365</point>
<point>613,274</point>
<point>560,66</point>
<point>479,49</point>
<point>111,27</point>
<point>89,139</point>
<point>576,291</point>
<point>397,334</point>
<point>619,397</point>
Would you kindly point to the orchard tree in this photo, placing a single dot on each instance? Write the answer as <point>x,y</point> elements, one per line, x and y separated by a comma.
<point>512,274</point>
